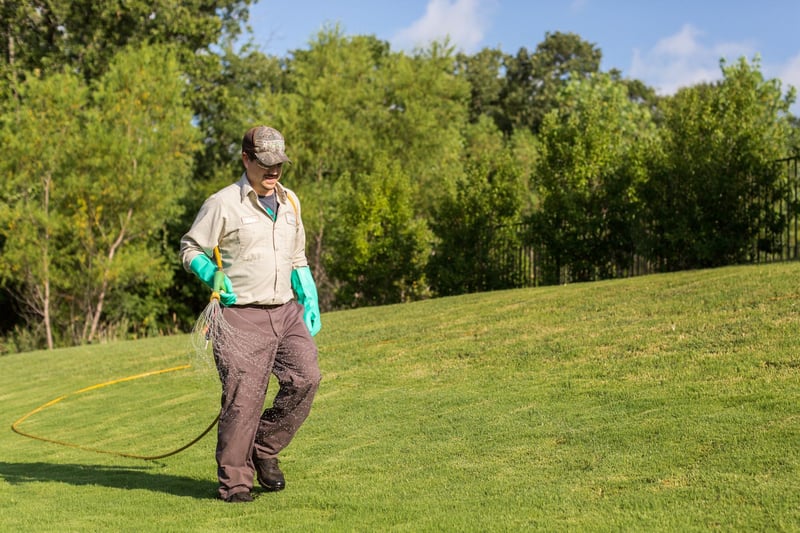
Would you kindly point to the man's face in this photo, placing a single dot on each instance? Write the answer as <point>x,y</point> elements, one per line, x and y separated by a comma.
<point>262,180</point>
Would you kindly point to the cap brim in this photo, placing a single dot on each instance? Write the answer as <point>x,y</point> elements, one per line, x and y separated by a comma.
<point>268,159</point>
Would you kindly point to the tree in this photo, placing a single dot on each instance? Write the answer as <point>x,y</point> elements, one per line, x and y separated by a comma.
<point>225,97</point>
<point>534,80</point>
<point>381,246</point>
<point>428,106</point>
<point>706,196</point>
<point>42,37</point>
<point>484,72</point>
<point>474,224</point>
<point>593,150</point>
<point>327,106</point>
<point>141,147</point>
<point>638,92</point>
<point>40,132</point>
<point>794,142</point>
<point>348,106</point>
<point>97,173</point>
<point>85,34</point>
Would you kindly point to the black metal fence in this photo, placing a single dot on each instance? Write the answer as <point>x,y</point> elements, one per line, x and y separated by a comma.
<point>786,213</point>
<point>516,261</point>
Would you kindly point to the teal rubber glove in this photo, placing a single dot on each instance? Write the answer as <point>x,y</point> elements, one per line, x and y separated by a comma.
<point>306,291</point>
<point>205,269</point>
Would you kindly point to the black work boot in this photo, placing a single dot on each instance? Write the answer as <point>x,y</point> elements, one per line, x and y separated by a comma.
<point>240,497</point>
<point>269,475</point>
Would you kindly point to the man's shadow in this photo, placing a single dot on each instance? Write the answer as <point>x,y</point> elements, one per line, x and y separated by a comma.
<point>110,476</point>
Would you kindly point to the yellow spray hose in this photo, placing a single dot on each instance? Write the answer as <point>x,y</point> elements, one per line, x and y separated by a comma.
<point>219,285</point>
<point>16,429</point>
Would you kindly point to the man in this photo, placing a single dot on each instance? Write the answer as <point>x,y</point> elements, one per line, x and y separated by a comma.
<point>270,296</point>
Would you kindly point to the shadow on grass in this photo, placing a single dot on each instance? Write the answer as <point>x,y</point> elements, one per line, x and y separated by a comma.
<point>109,476</point>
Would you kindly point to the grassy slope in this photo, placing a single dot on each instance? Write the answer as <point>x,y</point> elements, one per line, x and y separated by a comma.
<point>665,402</point>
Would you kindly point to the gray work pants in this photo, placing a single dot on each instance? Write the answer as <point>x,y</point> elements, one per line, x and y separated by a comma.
<point>267,341</point>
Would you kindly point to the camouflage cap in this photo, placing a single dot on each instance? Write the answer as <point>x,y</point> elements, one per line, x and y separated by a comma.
<point>266,144</point>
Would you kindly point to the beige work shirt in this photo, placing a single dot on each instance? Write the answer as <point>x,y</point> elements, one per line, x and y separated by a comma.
<point>258,254</point>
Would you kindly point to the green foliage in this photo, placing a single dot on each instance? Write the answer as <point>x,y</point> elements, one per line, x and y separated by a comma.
<point>416,171</point>
<point>794,141</point>
<point>706,195</point>
<point>328,105</point>
<point>351,100</point>
<point>428,116</point>
<point>40,130</point>
<point>385,243</point>
<point>225,92</point>
<point>349,107</point>
<point>592,165</point>
<point>86,34</point>
<point>484,72</point>
<point>101,170</point>
<point>140,151</point>
<point>336,102</point>
<point>472,225</point>
<point>534,80</point>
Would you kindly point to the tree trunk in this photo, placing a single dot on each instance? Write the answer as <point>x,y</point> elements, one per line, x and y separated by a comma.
<point>101,297</point>
<point>48,327</point>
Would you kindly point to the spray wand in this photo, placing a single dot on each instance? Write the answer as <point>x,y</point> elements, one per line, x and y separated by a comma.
<point>219,285</point>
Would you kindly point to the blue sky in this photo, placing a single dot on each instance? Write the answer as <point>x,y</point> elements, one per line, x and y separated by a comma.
<point>667,44</point>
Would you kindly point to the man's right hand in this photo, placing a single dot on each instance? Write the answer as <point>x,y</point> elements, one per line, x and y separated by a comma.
<point>204,268</point>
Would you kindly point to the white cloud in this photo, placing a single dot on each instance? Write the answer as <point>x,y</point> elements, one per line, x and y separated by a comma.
<point>577,6</point>
<point>683,59</point>
<point>790,72</point>
<point>464,22</point>
<point>682,44</point>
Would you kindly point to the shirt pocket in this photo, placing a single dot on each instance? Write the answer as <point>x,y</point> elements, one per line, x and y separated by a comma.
<point>254,242</point>
<point>285,240</point>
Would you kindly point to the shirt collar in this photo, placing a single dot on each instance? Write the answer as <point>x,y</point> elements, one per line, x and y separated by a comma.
<point>245,188</point>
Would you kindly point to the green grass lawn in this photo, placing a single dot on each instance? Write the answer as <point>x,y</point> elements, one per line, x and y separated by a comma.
<point>659,403</point>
